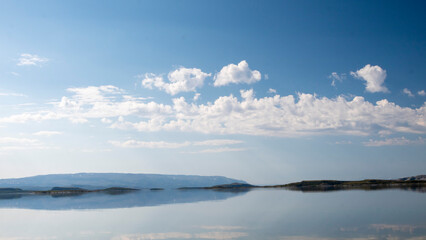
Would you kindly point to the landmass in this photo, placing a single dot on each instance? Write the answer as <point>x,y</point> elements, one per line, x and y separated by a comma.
<point>94,181</point>
<point>415,183</point>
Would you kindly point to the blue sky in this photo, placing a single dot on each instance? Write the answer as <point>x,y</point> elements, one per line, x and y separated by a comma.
<point>268,92</point>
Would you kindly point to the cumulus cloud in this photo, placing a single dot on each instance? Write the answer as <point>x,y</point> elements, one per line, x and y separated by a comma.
<point>422,93</point>
<point>288,116</point>
<point>240,73</point>
<point>180,80</point>
<point>47,133</point>
<point>27,59</point>
<point>283,116</point>
<point>336,77</point>
<point>374,77</point>
<point>393,142</point>
<point>408,92</point>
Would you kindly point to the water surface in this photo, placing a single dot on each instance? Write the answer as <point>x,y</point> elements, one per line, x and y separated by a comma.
<point>208,214</point>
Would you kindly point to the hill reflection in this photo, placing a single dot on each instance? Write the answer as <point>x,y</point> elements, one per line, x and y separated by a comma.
<point>104,200</point>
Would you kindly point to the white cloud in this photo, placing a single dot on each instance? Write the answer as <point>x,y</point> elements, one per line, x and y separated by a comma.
<point>271,90</point>
<point>47,133</point>
<point>393,142</point>
<point>374,77</point>
<point>336,77</point>
<point>287,116</point>
<point>180,80</point>
<point>408,92</point>
<point>240,73</point>
<point>422,93</point>
<point>27,59</point>
<point>283,116</point>
<point>196,96</point>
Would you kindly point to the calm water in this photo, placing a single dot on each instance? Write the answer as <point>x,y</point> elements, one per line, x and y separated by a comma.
<point>207,214</point>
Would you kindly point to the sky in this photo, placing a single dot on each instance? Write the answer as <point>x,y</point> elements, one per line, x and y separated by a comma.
<point>265,91</point>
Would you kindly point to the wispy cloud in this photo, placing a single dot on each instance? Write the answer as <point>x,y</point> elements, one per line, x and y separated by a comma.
<point>218,150</point>
<point>196,96</point>
<point>421,93</point>
<point>217,142</point>
<point>223,227</point>
<point>408,92</point>
<point>162,144</point>
<point>12,94</point>
<point>47,133</point>
<point>396,227</point>
<point>394,142</point>
<point>271,90</point>
<point>144,144</point>
<point>335,77</point>
<point>181,235</point>
<point>343,142</point>
<point>27,59</point>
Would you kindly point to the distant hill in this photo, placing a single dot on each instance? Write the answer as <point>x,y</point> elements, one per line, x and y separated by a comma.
<point>92,181</point>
